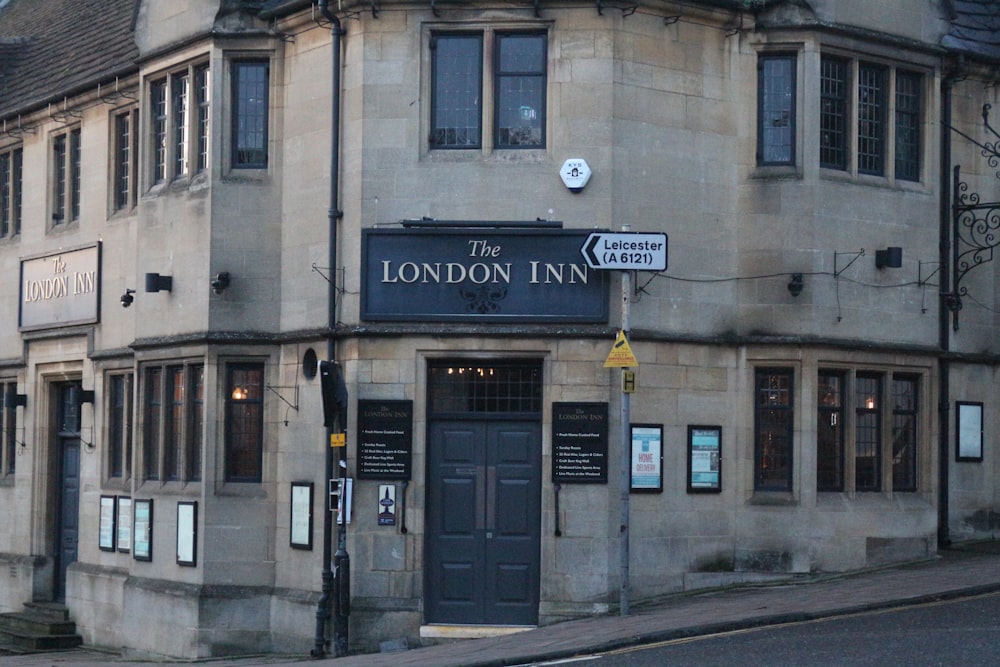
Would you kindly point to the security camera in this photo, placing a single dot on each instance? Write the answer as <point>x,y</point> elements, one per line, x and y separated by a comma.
<point>127,298</point>
<point>220,282</point>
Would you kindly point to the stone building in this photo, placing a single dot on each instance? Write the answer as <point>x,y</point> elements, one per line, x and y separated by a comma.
<point>627,299</point>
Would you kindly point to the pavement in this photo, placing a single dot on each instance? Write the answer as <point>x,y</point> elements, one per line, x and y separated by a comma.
<point>961,571</point>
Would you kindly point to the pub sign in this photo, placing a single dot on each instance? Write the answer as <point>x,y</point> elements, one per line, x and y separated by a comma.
<point>60,289</point>
<point>476,274</point>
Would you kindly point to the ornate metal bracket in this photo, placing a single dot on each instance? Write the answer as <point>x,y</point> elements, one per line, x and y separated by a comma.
<point>975,223</point>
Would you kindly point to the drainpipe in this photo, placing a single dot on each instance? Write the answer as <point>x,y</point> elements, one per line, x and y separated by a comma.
<point>944,313</point>
<point>336,568</point>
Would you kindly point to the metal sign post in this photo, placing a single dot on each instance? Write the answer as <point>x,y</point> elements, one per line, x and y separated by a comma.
<point>628,252</point>
<point>625,480</point>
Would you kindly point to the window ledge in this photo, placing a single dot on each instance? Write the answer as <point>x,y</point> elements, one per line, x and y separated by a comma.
<point>776,172</point>
<point>243,490</point>
<point>868,180</point>
<point>247,177</point>
<point>172,487</point>
<point>774,498</point>
<point>501,155</point>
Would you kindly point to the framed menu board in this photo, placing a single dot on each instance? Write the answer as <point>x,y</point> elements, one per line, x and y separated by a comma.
<point>385,439</point>
<point>647,457</point>
<point>142,530</point>
<point>969,431</point>
<point>300,534</point>
<point>704,459</point>
<point>106,535</point>
<point>580,443</point>
<point>123,538</point>
<point>187,532</point>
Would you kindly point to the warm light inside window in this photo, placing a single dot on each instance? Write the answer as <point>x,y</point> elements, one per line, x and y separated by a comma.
<point>239,393</point>
<point>870,402</point>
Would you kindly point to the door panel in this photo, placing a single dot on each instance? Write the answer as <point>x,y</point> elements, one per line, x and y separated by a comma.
<point>68,489</point>
<point>484,517</point>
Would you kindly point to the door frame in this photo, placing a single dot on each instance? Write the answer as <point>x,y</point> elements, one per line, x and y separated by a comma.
<point>535,416</point>
<point>50,462</point>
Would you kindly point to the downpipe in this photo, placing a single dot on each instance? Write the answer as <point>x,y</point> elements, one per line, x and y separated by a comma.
<point>335,581</point>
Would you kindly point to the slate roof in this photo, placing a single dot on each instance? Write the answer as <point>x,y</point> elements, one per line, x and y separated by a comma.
<point>54,48</point>
<point>975,28</point>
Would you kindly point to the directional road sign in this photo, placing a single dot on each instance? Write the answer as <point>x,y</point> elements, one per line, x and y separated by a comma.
<point>626,251</point>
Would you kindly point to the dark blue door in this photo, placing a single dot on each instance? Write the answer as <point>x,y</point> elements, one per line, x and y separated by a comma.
<point>483,522</point>
<point>68,503</point>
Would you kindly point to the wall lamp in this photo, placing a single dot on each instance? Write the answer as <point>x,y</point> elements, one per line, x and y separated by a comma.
<point>85,396</point>
<point>155,282</point>
<point>220,282</point>
<point>796,284</point>
<point>890,258</point>
<point>127,297</point>
<point>11,401</point>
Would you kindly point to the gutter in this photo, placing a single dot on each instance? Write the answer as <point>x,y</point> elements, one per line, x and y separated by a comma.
<point>333,215</point>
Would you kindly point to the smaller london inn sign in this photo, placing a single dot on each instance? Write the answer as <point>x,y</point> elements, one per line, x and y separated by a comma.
<point>476,274</point>
<point>60,289</point>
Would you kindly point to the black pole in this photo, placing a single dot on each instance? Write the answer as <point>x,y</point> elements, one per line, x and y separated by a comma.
<point>948,291</point>
<point>336,569</point>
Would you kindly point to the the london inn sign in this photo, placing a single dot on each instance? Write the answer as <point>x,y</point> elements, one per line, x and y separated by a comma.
<point>60,289</point>
<point>474,274</point>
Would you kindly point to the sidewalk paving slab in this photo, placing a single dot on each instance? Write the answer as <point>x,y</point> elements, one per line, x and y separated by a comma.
<point>954,573</point>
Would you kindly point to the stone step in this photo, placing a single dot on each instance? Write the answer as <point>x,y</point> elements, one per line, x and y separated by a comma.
<point>54,610</point>
<point>32,623</point>
<point>40,626</point>
<point>26,641</point>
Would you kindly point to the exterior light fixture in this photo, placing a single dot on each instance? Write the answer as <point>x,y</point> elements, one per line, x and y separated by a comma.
<point>127,298</point>
<point>796,284</point>
<point>890,258</point>
<point>155,282</point>
<point>85,396</point>
<point>220,282</point>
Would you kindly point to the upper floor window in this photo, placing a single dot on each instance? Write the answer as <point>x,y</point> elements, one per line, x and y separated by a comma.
<point>776,109</point>
<point>10,192</point>
<point>124,150</point>
<point>513,100</point>
<point>774,413</point>
<point>178,115</point>
<point>66,177</point>
<point>244,445</point>
<point>873,124</point>
<point>250,112</point>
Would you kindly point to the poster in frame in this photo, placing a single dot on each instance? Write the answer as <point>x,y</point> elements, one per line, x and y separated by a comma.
<point>301,519</point>
<point>647,458</point>
<point>123,534</point>
<point>187,533</point>
<point>704,455</point>
<point>142,530</point>
<point>968,431</point>
<point>106,536</point>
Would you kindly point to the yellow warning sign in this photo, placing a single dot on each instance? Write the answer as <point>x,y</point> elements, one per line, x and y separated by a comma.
<point>621,354</point>
<point>338,439</point>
